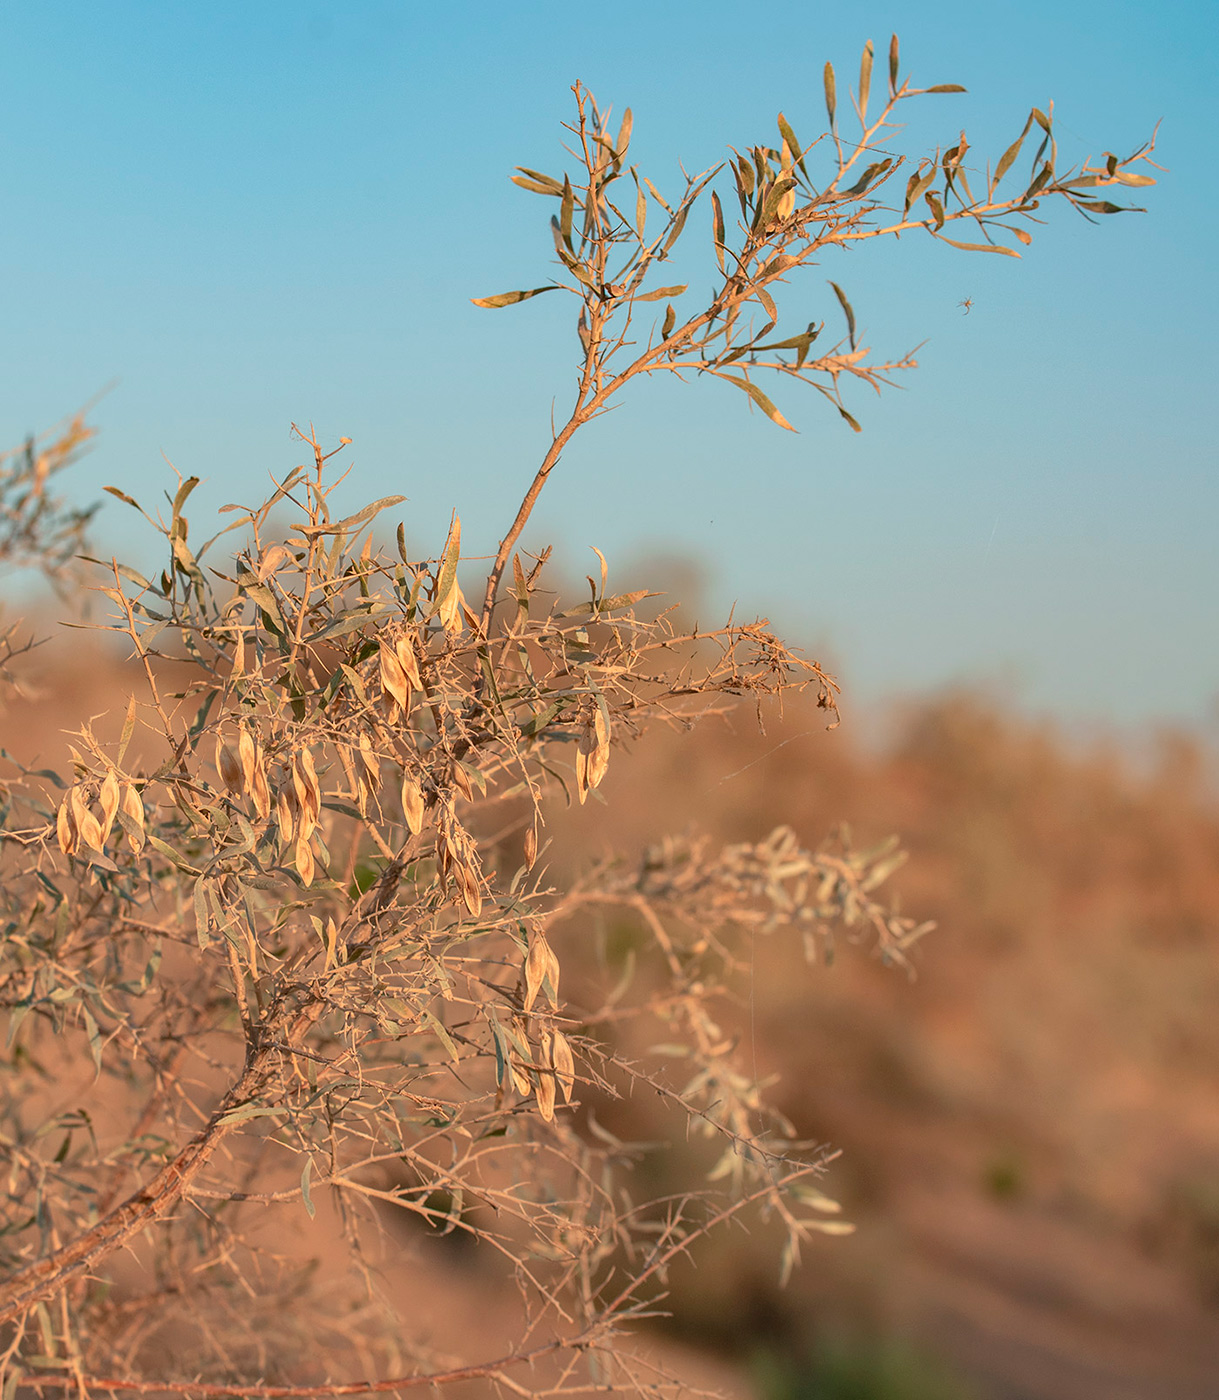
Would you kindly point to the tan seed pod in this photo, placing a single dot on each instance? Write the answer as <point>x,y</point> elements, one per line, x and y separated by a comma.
<point>404,650</point>
<point>393,678</point>
<point>564,1064</point>
<point>90,830</point>
<point>552,971</point>
<point>545,1094</point>
<point>599,759</point>
<point>239,653</point>
<point>110,798</point>
<point>369,759</point>
<point>247,752</point>
<point>531,847</point>
<point>285,814</point>
<point>259,789</point>
<point>304,860</point>
<point>133,809</point>
<point>229,768</point>
<point>308,791</point>
<point>471,890</point>
<point>65,828</point>
<point>449,609</point>
<point>524,1085</point>
<point>412,804</point>
<point>536,966</point>
<point>461,780</point>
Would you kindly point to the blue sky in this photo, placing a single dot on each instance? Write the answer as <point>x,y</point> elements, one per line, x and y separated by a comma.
<point>249,214</point>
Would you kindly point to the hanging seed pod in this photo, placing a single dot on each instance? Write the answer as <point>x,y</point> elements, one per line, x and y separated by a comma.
<point>87,827</point>
<point>412,804</point>
<point>305,866</point>
<point>537,964</point>
<point>247,753</point>
<point>564,1064</point>
<point>229,768</point>
<point>259,789</point>
<point>552,971</point>
<point>531,847</point>
<point>285,814</point>
<point>471,890</point>
<point>393,678</point>
<point>404,650</point>
<point>308,792</point>
<point>520,1076</point>
<point>133,809</point>
<point>545,1081</point>
<point>461,781</point>
<point>65,828</point>
<point>369,759</point>
<point>110,798</point>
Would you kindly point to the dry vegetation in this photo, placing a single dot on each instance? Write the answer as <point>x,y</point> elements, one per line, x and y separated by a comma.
<point>287,947</point>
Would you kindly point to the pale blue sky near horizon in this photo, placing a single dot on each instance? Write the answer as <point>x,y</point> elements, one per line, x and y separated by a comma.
<point>258,213</point>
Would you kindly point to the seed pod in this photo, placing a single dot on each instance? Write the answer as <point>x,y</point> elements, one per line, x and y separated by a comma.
<point>552,971</point>
<point>564,1064</point>
<point>369,759</point>
<point>110,801</point>
<point>520,1077</point>
<point>531,847</point>
<point>259,790</point>
<point>88,829</point>
<point>545,1081</point>
<point>247,752</point>
<point>65,828</point>
<point>308,792</point>
<point>412,804</point>
<point>285,814</point>
<point>592,754</point>
<point>229,767</point>
<point>304,860</point>
<point>133,809</point>
<point>471,890</point>
<point>393,678</point>
<point>461,780</point>
<point>537,964</point>
<point>404,650</point>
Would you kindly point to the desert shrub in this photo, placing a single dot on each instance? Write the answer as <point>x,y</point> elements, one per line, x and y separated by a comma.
<point>288,933</point>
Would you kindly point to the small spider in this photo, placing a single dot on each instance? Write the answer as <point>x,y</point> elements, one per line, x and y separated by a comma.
<point>967,304</point>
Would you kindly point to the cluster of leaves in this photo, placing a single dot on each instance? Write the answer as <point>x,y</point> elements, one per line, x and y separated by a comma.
<point>610,243</point>
<point>39,529</point>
